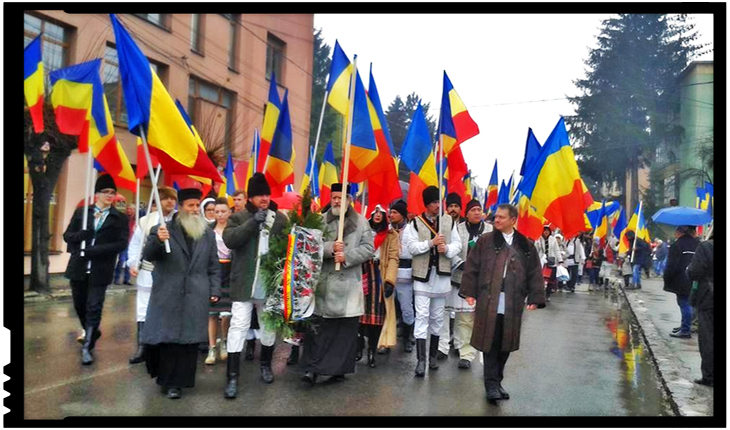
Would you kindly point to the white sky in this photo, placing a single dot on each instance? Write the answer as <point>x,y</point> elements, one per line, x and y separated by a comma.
<point>495,62</point>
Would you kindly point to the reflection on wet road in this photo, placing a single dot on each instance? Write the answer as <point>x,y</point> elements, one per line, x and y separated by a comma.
<point>582,355</point>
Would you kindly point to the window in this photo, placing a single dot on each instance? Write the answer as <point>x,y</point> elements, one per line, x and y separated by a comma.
<point>211,107</point>
<point>158,19</point>
<point>275,51</point>
<point>196,30</point>
<point>113,85</point>
<point>232,41</point>
<point>54,43</point>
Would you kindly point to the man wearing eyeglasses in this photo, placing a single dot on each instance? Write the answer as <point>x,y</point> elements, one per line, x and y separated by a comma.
<point>105,235</point>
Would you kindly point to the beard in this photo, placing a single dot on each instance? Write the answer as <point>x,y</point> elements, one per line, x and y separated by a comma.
<point>194,225</point>
<point>336,210</point>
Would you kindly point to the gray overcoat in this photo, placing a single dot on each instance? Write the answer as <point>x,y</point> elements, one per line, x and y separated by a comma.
<point>184,281</point>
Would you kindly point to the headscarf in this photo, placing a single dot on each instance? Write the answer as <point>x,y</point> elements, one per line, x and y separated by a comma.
<point>202,208</point>
<point>381,229</point>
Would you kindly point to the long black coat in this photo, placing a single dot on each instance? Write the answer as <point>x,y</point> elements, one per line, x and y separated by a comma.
<point>183,282</point>
<point>111,239</point>
<point>675,275</point>
<point>702,270</point>
<point>482,279</point>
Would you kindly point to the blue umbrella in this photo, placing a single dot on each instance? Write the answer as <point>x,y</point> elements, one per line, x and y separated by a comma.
<point>680,215</point>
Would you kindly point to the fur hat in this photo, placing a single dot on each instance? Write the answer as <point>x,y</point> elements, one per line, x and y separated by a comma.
<point>453,198</point>
<point>337,188</point>
<point>167,192</point>
<point>189,193</point>
<point>472,203</point>
<point>103,182</point>
<point>400,207</point>
<point>257,186</point>
<point>430,194</point>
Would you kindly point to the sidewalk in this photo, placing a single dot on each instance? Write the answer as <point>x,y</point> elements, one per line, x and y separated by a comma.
<point>61,290</point>
<point>678,360</point>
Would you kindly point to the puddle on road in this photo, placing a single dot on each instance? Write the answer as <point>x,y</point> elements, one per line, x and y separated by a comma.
<point>642,392</point>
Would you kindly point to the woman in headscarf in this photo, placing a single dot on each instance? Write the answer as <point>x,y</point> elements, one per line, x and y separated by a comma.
<point>379,277</point>
<point>207,209</point>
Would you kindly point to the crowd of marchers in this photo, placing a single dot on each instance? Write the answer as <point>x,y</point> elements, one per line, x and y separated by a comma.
<point>442,282</point>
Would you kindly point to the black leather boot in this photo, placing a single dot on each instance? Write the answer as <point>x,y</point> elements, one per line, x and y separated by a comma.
<point>433,350</point>
<point>232,372</point>
<point>293,356</point>
<point>250,349</point>
<point>86,357</point>
<point>407,333</point>
<point>421,353</point>
<point>266,353</point>
<point>138,357</point>
<point>372,347</point>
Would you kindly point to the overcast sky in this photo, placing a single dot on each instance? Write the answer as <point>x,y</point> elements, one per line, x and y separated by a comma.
<point>508,69</point>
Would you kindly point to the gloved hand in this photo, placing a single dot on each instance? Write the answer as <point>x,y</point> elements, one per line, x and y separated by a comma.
<point>389,289</point>
<point>90,252</point>
<point>260,216</point>
<point>86,235</point>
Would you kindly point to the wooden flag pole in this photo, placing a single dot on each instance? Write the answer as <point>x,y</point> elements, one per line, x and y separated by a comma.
<point>85,223</point>
<point>346,160</point>
<point>441,179</point>
<point>154,184</point>
<point>316,140</point>
<point>256,149</point>
<point>636,233</point>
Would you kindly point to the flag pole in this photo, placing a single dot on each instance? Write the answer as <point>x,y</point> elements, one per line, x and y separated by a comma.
<point>89,166</point>
<point>316,140</point>
<point>346,160</point>
<point>441,179</point>
<point>636,233</point>
<point>256,148</point>
<point>154,184</point>
<point>154,178</point>
<point>136,204</point>
<point>362,200</point>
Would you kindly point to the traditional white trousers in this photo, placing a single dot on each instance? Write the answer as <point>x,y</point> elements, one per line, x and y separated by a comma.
<point>241,322</point>
<point>144,291</point>
<point>463,327</point>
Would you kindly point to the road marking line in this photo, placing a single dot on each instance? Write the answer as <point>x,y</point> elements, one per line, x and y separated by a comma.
<point>71,381</point>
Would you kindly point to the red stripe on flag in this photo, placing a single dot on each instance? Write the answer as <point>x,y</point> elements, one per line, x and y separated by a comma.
<point>562,213</point>
<point>71,121</point>
<point>36,115</point>
<point>415,194</point>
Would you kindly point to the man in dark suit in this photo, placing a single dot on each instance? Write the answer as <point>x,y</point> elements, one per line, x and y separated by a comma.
<point>104,236</point>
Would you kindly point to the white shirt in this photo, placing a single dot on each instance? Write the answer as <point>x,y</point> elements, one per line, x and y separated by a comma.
<point>136,245</point>
<point>508,238</point>
<point>438,285</point>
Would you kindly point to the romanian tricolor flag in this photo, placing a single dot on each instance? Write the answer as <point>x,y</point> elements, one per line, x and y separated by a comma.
<point>338,84</point>
<point>528,222</point>
<point>417,156</point>
<point>383,185</point>
<point>151,110</point>
<point>77,95</point>
<point>271,121</point>
<point>602,228</point>
<point>532,151</point>
<point>503,196</point>
<point>231,182</point>
<point>492,191</point>
<point>327,175</point>
<point>638,226</point>
<point>620,225</point>
<point>33,85</point>
<point>593,212</point>
<point>208,184</point>
<point>279,168</point>
<point>468,187</point>
<point>455,124</point>
<point>109,153</point>
<point>363,147</point>
<point>314,179</point>
<point>253,159</point>
<point>142,160</point>
<point>705,197</point>
<point>457,169</point>
<point>554,185</point>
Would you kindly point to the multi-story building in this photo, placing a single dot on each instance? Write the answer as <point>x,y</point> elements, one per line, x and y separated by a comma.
<point>680,164</point>
<point>217,65</point>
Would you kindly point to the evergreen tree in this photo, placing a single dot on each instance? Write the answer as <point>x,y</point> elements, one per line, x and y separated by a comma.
<point>332,123</point>
<point>621,115</point>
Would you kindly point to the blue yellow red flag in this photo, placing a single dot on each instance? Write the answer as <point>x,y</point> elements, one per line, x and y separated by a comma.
<point>34,79</point>
<point>338,84</point>
<point>455,123</point>
<point>532,151</point>
<point>272,113</point>
<point>327,175</point>
<point>279,168</point>
<point>107,151</point>
<point>416,150</point>
<point>151,110</point>
<point>492,191</point>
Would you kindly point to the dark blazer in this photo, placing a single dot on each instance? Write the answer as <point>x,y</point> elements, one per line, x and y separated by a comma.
<point>680,255</point>
<point>111,239</point>
<point>184,281</point>
<point>702,270</point>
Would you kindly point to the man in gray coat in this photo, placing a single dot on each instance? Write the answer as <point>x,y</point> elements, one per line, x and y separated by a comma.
<point>186,281</point>
<point>330,344</point>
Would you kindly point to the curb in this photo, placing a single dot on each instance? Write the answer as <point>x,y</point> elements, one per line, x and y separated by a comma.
<point>677,387</point>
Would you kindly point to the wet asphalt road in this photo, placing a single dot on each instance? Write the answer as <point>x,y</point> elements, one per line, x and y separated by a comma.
<point>580,356</point>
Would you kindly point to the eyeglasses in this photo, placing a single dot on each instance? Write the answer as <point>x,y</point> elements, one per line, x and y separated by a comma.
<point>108,192</point>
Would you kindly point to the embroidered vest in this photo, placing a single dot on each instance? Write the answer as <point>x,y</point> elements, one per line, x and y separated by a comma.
<point>422,263</point>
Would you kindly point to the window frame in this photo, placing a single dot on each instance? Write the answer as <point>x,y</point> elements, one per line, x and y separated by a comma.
<point>199,47</point>
<point>164,20</point>
<point>234,36</point>
<point>275,51</point>
<point>65,46</point>
<point>194,99</point>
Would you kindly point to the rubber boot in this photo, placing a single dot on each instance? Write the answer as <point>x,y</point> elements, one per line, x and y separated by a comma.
<point>421,353</point>
<point>139,355</point>
<point>433,353</point>
<point>86,357</point>
<point>232,372</point>
<point>266,353</point>
<point>293,356</point>
<point>407,332</point>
